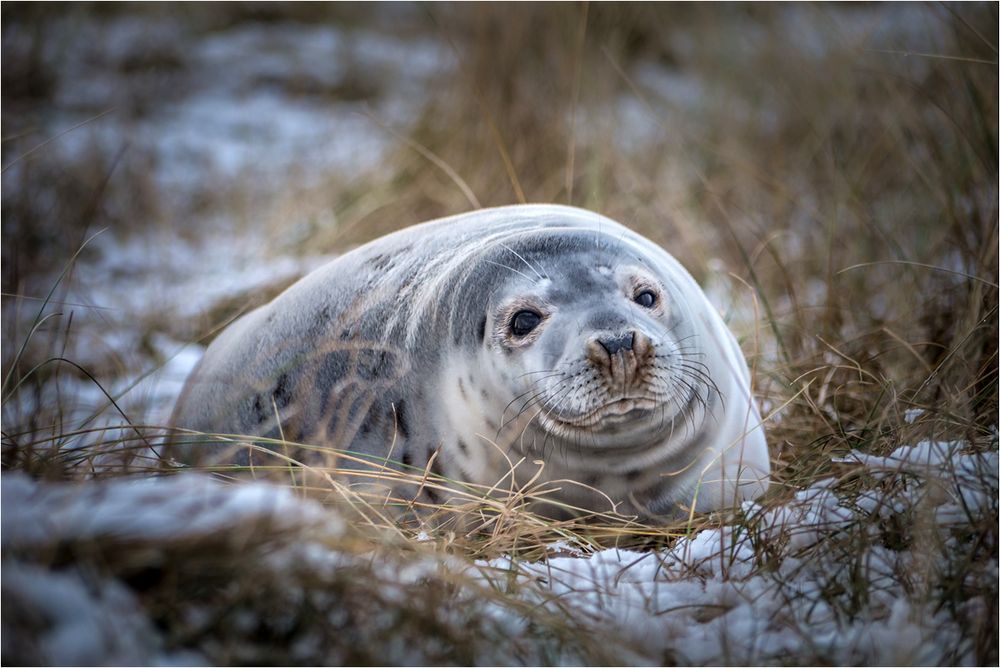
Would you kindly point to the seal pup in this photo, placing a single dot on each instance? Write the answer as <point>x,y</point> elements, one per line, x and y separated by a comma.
<point>537,344</point>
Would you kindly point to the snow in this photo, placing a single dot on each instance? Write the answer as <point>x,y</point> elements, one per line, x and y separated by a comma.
<point>241,117</point>
<point>707,600</point>
<point>753,591</point>
<point>176,507</point>
<point>84,624</point>
<point>713,597</point>
<point>225,132</point>
<point>89,619</point>
<point>225,129</point>
<point>968,483</point>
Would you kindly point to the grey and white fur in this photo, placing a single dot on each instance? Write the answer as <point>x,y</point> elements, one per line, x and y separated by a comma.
<point>545,338</point>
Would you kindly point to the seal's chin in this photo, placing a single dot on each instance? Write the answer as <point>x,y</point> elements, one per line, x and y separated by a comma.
<point>613,416</point>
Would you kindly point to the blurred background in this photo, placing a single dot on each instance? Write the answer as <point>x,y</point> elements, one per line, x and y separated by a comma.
<point>827,171</point>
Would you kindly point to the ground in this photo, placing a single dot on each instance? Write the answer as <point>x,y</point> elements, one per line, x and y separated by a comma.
<point>828,173</point>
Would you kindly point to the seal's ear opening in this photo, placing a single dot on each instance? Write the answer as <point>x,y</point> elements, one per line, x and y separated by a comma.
<point>481,330</point>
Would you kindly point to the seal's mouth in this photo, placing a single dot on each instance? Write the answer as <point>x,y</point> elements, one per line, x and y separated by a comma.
<point>617,412</point>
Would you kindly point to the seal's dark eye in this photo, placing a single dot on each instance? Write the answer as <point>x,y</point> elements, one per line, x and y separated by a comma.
<point>523,322</point>
<point>646,298</point>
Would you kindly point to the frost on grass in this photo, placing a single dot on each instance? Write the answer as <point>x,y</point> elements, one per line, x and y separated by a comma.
<point>185,569</point>
<point>206,152</point>
<point>858,569</point>
<point>834,576</point>
<point>216,173</point>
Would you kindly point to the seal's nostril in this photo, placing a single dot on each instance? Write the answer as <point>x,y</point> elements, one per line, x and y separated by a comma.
<point>613,344</point>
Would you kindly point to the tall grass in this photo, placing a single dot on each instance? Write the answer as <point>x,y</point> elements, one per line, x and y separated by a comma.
<point>830,173</point>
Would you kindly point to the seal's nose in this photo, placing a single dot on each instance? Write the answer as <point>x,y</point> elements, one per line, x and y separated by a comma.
<point>612,344</point>
<point>623,358</point>
<point>608,346</point>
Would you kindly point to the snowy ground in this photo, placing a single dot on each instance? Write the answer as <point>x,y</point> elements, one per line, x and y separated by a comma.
<point>708,601</point>
<point>223,159</point>
<point>844,573</point>
<point>758,592</point>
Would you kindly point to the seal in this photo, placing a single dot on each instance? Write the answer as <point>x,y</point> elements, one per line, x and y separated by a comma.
<point>519,346</point>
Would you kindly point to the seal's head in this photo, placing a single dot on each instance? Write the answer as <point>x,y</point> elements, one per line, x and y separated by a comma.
<point>590,343</point>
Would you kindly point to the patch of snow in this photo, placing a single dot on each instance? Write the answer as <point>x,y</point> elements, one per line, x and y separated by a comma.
<point>563,548</point>
<point>82,621</point>
<point>166,274</point>
<point>706,600</point>
<point>967,483</point>
<point>200,119</point>
<point>713,597</point>
<point>210,109</point>
<point>154,394</point>
<point>172,507</point>
<point>676,89</point>
<point>300,547</point>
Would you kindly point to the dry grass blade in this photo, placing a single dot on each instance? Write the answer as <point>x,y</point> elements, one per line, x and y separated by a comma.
<point>828,173</point>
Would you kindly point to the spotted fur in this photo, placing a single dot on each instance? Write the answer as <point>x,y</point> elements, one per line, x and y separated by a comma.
<point>403,348</point>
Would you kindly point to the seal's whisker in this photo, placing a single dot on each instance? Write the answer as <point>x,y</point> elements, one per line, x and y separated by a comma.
<point>688,351</point>
<point>530,373</point>
<point>704,377</point>
<point>530,390</point>
<point>528,264</point>
<point>695,400</point>
<point>696,374</point>
<point>565,394</point>
<point>530,402</point>
<point>558,389</point>
<point>510,269</point>
<point>540,396</point>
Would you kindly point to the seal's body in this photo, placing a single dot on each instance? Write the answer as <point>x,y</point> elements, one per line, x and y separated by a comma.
<point>536,343</point>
